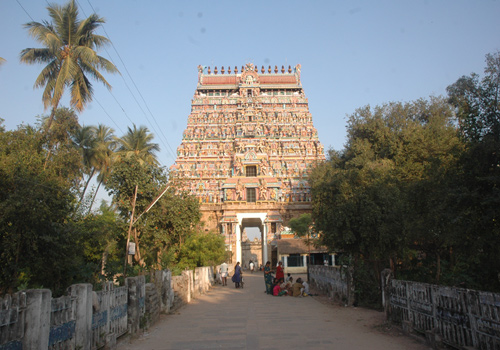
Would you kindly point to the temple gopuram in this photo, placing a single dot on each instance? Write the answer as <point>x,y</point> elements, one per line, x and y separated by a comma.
<point>247,150</point>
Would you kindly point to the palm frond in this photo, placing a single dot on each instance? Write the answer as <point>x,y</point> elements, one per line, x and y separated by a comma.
<point>69,54</point>
<point>32,55</point>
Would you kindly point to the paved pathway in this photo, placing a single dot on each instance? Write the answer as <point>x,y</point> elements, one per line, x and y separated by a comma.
<point>248,318</point>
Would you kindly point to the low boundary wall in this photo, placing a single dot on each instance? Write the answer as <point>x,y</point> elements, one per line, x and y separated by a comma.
<point>334,281</point>
<point>457,317</point>
<point>87,319</point>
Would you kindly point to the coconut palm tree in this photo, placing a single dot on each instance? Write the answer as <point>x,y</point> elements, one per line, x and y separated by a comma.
<point>85,140</point>
<point>137,142</point>
<point>105,149</point>
<point>70,55</point>
<point>2,61</point>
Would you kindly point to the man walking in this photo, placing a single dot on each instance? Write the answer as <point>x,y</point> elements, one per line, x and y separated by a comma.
<point>223,273</point>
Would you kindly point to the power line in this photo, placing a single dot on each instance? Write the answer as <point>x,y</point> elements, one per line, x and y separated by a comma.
<point>161,135</point>
<point>117,126</point>
<point>102,107</point>
<point>163,140</point>
<point>25,10</point>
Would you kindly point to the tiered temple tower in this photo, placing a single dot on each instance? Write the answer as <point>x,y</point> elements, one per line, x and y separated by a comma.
<point>247,150</point>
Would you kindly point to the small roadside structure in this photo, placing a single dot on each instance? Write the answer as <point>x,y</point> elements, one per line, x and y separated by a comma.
<point>293,252</point>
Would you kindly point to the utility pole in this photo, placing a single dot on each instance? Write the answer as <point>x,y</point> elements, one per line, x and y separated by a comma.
<point>132,221</point>
<point>129,231</point>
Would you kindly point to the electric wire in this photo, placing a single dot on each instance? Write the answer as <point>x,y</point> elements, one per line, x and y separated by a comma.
<point>160,134</point>
<point>94,98</point>
<point>25,10</point>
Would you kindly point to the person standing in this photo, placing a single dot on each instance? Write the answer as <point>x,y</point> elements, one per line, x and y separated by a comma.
<point>280,275</point>
<point>237,275</point>
<point>223,273</point>
<point>268,278</point>
<point>252,266</point>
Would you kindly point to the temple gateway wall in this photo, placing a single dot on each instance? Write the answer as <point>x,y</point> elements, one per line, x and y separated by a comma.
<point>247,150</point>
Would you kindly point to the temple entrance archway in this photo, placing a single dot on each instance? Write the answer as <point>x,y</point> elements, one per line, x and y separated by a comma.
<point>256,254</point>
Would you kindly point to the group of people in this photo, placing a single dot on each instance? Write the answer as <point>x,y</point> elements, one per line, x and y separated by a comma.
<point>278,286</point>
<point>275,285</point>
<point>237,275</point>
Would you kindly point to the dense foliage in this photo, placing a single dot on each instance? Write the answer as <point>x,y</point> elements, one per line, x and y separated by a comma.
<point>36,180</point>
<point>49,235</point>
<point>50,238</point>
<point>416,189</point>
<point>477,200</point>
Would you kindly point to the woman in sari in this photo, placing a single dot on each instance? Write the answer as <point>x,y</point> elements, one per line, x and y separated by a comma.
<point>280,275</point>
<point>268,278</point>
<point>237,275</point>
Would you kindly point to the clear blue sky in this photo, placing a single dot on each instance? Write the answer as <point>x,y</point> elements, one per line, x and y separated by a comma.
<point>352,53</point>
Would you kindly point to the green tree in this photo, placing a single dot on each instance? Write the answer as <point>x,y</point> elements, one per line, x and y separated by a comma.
<point>61,155</point>
<point>127,175</point>
<point>105,155</point>
<point>86,143</point>
<point>301,225</point>
<point>174,219</point>
<point>97,146</point>
<point>202,249</point>
<point>137,143</point>
<point>136,169</point>
<point>363,196</point>
<point>477,199</point>
<point>102,238</point>
<point>37,247</point>
<point>69,51</point>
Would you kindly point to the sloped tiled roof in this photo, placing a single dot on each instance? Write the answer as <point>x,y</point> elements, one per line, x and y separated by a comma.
<point>297,246</point>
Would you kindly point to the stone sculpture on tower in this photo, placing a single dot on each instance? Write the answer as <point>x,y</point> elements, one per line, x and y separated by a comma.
<point>248,146</point>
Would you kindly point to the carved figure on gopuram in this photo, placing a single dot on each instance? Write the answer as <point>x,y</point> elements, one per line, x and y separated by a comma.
<point>248,146</point>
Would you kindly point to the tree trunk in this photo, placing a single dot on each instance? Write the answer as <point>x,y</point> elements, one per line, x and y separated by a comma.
<point>93,198</point>
<point>91,175</point>
<point>51,119</point>
<point>376,270</point>
<point>438,268</point>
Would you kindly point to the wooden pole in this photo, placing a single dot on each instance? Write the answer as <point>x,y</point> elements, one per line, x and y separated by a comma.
<point>129,231</point>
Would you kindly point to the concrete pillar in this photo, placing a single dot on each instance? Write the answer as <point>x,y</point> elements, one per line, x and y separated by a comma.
<point>238,243</point>
<point>285,261</point>
<point>136,287</point>
<point>37,316</point>
<point>264,245</point>
<point>83,314</point>
<point>333,260</point>
<point>305,259</point>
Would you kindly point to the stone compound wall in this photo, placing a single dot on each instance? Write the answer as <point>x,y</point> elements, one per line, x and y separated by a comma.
<point>461,318</point>
<point>334,281</point>
<point>87,319</point>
